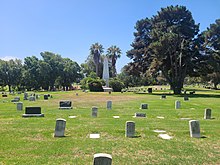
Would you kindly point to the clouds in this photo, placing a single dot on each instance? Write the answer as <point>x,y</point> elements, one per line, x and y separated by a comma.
<point>7,58</point>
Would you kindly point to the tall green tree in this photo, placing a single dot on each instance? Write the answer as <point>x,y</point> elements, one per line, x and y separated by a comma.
<point>113,54</point>
<point>95,51</point>
<point>11,73</point>
<point>212,47</point>
<point>165,43</point>
<point>31,73</point>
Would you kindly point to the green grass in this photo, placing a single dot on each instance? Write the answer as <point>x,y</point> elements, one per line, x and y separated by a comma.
<point>31,141</point>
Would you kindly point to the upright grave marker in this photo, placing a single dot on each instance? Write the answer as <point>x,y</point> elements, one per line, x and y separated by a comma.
<point>32,98</point>
<point>163,96</point>
<point>46,97</point>
<point>177,104</point>
<point>102,159</point>
<point>208,113</point>
<point>144,106</point>
<point>194,128</point>
<point>33,112</point>
<point>19,106</point>
<point>60,127</point>
<point>65,104</point>
<point>25,96</point>
<point>109,105</point>
<point>94,111</point>
<point>129,129</point>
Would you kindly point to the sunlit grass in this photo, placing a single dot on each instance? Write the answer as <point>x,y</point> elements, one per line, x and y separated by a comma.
<point>31,141</point>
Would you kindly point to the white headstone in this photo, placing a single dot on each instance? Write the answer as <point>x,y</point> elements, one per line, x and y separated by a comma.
<point>60,127</point>
<point>94,111</point>
<point>194,128</point>
<point>102,159</point>
<point>129,129</point>
<point>109,105</point>
<point>19,106</point>
<point>94,136</point>
<point>177,104</point>
<point>105,75</point>
<point>208,113</point>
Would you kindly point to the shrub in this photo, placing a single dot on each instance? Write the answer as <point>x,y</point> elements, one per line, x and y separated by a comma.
<point>95,85</point>
<point>116,85</point>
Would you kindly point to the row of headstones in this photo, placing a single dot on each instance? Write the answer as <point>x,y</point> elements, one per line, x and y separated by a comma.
<point>34,96</point>
<point>194,128</point>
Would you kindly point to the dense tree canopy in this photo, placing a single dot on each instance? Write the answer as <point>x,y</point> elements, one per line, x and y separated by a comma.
<point>165,43</point>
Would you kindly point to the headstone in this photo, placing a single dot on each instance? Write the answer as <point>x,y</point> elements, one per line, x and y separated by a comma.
<point>65,104</point>
<point>25,96</point>
<point>19,106</point>
<point>33,112</point>
<point>194,128</point>
<point>109,105</point>
<point>130,129</point>
<point>186,98</point>
<point>144,106</point>
<point>165,136</point>
<point>60,127</point>
<point>46,97</point>
<point>140,114</point>
<point>17,98</point>
<point>177,104</point>
<point>77,94</point>
<point>94,111</point>
<point>4,95</point>
<point>94,136</point>
<point>32,98</point>
<point>208,113</point>
<point>163,96</point>
<point>150,90</point>
<point>37,96</point>
<point>102,159</point>
<point>19,92</point>
<point>105,75</point>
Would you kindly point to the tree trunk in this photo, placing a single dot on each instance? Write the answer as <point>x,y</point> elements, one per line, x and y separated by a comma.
<point>9,86</point>
<point>97,69</point>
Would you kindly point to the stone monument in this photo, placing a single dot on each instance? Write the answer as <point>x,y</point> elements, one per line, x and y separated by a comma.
<point>105,75</point>
<point>102,159</point>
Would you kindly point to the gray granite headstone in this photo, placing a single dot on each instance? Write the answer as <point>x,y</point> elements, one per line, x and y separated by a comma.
<point>109,105</point>
<point>25,96</point>
<point>102,159</point>
<point>19,106</point>
<point>144,106</point>
<point>129,129</point>
<point>208,113</point>
<point>65,104</point>
<point>138,114</point>
<point>60,127</point>
<point>194,128</point>
<point>4,95</point>
<point>177,105</point>
<point>32,98</point>
<point>94,111</point>
<point>150,90</point>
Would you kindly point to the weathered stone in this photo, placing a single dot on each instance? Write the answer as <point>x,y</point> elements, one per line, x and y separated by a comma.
<point>94,111</point>
<point>60,127</point>
<point>130,129</point>
<point>177,104</point>
<point>208,113</point>
<point>163,96</point>
<point>46,97</point>
<point>65,104</point>
<point>109,105</point>
<point>144,106</point>
<point>194,128</point>
<point>186,98</point>
<point>32,98</point>
<point>102,159</point>
<point>138,114</point>
<point>19,106</point>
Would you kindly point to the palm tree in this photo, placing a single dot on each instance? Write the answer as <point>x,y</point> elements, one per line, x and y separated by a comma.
<point>95,51</point>
<point>113,53</point>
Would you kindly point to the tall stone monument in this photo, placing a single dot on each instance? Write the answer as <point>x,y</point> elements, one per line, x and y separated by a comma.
<point>105,75</point>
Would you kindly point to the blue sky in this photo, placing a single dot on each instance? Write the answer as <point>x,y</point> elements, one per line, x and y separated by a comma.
<point>70,27</point>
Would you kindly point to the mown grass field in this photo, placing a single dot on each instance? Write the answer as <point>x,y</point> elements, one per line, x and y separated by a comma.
<point>30,140</point>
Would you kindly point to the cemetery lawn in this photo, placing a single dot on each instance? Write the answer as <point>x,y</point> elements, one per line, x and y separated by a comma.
<point>30,140</point>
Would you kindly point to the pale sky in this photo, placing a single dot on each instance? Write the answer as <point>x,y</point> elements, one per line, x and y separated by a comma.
<point>70,27</point>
